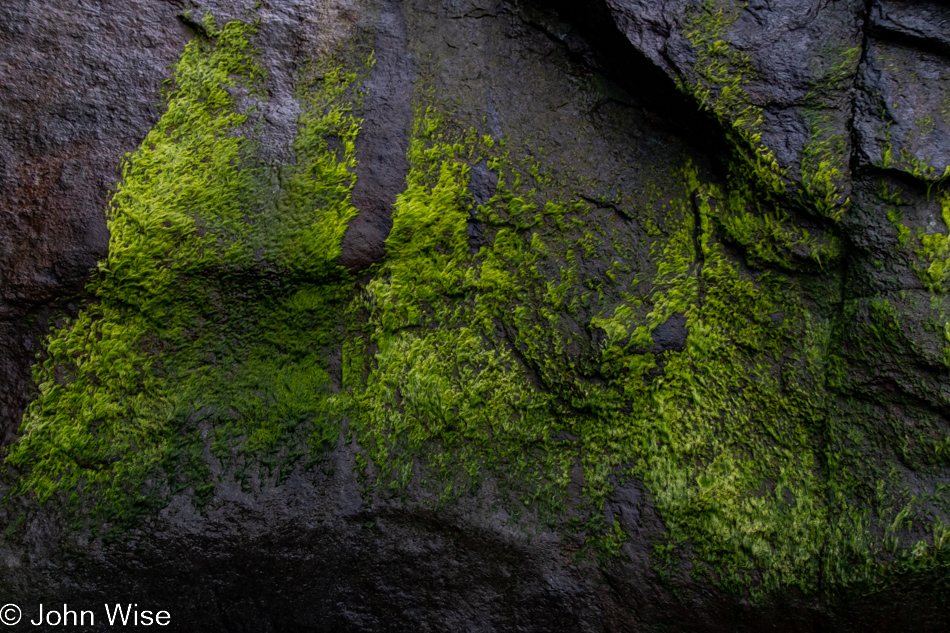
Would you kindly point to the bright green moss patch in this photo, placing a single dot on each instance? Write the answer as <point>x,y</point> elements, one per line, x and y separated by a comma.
<point>101,420</point>
<point>723,72</point>
<point>474,374</point>
<point>470,369</point>
<point>314,207</point>
<point>767,232</point>
<point>205,344</point>
<point>823,168</point>
<point>730,425</point>
<point>440,392</point>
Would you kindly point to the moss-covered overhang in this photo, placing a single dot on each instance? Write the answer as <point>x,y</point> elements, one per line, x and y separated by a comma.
<point>539,319</point>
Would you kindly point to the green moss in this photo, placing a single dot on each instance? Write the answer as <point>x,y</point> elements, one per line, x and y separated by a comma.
<point>723,72</point>
<point>721,76</point>
<point>766,231</point>
<point>823,167</point>
<point>885,456</point>
<point>535,359</point>
<point>473,378</point>
<point>906,160</point>
<point>439,393</point>
<point>206,340</point>
<point>723,467</point>
<point>932,250</point>
<point>924,126</point>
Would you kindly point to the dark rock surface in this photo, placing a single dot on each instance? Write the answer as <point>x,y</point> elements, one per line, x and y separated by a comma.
<point>901,109</point>
<point>383,142</point>
<point>671,334</point>
<point>794,64</point>
<point>594,84</point>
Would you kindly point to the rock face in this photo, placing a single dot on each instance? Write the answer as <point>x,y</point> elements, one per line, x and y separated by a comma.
<point>612,315</point>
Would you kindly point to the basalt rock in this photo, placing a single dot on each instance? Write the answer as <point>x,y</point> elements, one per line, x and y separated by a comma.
<point>366,315</point>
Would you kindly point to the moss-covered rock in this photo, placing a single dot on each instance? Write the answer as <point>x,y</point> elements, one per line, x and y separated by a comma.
<point>702,361</point>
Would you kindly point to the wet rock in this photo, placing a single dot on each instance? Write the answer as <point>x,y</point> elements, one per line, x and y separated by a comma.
<point>793,63</point>
<point>671,335</point>
<point>383,142</point>
<point>902,111</point>
<point>606,92</point>
<point>481,186</point>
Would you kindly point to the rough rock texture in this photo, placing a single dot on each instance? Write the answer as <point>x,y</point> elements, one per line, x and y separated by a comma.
<point>795,60</point>
<point>383,142</point>
<point>613,315</point>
